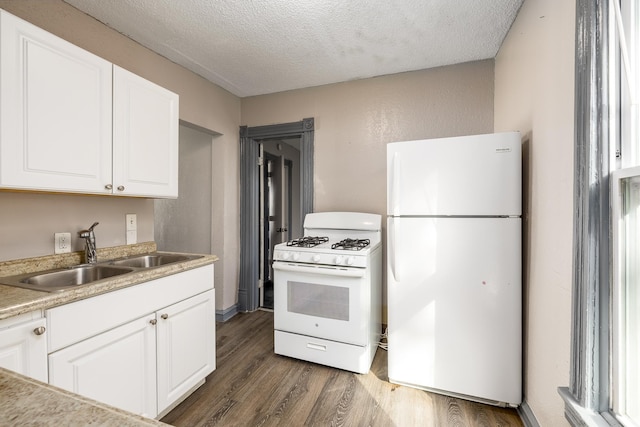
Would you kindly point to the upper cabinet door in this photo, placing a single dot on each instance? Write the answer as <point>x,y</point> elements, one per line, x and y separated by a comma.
<point>145,137</point>
<point>55,112</point>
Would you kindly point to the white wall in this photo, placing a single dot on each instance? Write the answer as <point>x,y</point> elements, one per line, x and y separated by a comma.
<point>28,221</point>
<point>534,88</point>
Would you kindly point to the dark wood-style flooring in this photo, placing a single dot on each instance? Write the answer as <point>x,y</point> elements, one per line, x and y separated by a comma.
<point>252,386</point>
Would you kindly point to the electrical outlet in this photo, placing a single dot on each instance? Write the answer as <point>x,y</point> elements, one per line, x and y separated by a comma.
<point>62,243</point>
<point>132,237</point>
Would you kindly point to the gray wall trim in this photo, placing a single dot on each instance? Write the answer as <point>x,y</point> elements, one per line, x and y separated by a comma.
<point>248,294</point>
<point>249,225</point>
<point>307,149</point>
<point>591,242</point>
<point>227,313</point>
<point>527,416</point>
<point>280,130</point>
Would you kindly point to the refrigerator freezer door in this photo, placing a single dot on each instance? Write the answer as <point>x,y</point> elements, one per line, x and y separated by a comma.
<point>454,306</point>
<point>464,176</point>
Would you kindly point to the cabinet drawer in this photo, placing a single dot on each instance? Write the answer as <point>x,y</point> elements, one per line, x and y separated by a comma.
<point>325,352</point>
<point>20,318</point>
<point>76,321</point>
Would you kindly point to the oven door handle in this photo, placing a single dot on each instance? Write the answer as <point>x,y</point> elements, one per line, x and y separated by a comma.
<point>323,270</point>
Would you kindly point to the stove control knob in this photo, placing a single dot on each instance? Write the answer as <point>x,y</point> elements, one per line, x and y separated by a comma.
<point>295,256</point>
<point>339,259</point>
<point>316,258</point>
<point>350,260</point>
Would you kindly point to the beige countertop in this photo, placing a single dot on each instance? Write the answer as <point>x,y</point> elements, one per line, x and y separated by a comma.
<point>27,402</point>
<point>15,301</point>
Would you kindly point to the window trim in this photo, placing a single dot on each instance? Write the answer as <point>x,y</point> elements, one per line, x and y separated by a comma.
<point>587,397</point>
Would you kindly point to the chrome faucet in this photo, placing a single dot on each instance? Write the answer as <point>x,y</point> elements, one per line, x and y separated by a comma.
<point>90,255</point>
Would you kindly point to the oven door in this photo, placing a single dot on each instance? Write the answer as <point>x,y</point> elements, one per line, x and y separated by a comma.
<point>322,301</point>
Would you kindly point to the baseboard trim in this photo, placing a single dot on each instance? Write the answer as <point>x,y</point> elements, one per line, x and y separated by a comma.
<point>526,415</point>
<point>226,314</point>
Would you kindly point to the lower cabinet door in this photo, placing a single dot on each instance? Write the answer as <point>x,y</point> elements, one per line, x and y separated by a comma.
<point>23,349</point>
<point>117,367</point>
<point>186,346</point>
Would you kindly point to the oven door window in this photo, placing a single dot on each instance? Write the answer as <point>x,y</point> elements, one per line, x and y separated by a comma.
<point>326,301</point>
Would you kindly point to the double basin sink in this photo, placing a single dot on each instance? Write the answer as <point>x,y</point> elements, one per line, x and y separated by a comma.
<point>65,278</point>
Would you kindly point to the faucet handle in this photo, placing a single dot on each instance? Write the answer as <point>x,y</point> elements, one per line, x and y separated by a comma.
<point>87,233</point>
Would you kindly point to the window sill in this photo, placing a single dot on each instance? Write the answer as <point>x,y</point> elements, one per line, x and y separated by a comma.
<point>579,416</point>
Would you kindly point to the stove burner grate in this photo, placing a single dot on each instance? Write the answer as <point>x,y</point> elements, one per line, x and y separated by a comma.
<point>307,242</point>
<point>351,244</point>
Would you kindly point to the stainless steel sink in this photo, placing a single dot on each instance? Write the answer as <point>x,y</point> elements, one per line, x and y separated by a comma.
<point>66,278</point>
<point>61,279</point>
<point>152,260</point>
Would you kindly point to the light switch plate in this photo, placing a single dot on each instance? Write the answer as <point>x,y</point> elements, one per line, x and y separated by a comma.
<point>132,222</point>
<point>62,243</point>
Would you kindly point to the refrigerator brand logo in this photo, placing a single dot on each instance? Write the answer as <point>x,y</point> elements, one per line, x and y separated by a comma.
<point>503,150</point>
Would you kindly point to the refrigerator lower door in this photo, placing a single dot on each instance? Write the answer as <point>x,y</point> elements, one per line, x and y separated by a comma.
<point>455,306</point>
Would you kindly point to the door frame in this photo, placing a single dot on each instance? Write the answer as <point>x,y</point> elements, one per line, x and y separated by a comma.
<point>248,286</point>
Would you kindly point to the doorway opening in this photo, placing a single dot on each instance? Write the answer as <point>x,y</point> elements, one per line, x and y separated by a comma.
<point>279,198</point>
<point>276,192</point>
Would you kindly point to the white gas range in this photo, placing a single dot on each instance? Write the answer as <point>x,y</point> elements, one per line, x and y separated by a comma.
<point>327,291</point>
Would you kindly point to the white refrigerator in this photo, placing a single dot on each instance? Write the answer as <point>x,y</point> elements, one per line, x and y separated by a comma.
<point>454,275</point>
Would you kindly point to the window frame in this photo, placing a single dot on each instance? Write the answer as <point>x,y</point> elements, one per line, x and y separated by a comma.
<point>627,166</point>
<point>586,398</point>
<point>600,124</point>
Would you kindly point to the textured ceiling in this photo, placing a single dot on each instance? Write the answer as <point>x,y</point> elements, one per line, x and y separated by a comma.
<point>254,47</point>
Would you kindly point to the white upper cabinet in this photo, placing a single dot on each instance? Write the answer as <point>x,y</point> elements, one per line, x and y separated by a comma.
<point>72,122</point>
<point>145,137</point>
<point>55,112</point>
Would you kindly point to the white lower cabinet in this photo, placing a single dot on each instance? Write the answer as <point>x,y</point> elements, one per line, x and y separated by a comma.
<point>23,345</point>
<point>186,347</point>
<point>117,367</point>
<point>108,349</point>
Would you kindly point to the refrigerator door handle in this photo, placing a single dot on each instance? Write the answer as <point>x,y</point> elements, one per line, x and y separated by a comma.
<point>394,191</point>
<point>393,262</point>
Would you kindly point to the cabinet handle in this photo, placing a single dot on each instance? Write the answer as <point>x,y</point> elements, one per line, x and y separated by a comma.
<point>108,187</point>
<point>39,330</point>
<point>120,187</point>
<point>165,316</point>
<point>153,321</point>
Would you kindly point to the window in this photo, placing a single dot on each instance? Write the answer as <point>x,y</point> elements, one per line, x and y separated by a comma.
<point>605,356</point>
<point>625,191</point>
<point>626,304</point>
